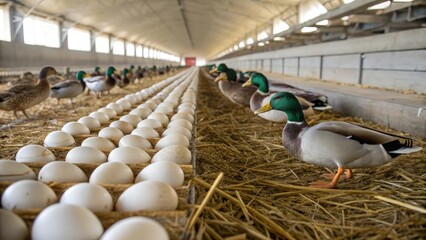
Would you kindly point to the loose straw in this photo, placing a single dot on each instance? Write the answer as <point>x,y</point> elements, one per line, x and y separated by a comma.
<point>205,200</point>
<point>271,224</point>
<point>402,204</point>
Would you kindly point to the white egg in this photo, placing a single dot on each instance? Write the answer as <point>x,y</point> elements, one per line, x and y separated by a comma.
<point>124,103</point>
<point>183,115</point>
<point>138,97</point>
<point>161,117</point>
<point>149,105</point>
<point>143,94</point>
<point>60,171</point>
<point>146,132</point>
<point>134,228</point>
<point>175,153</point>
<point>187,110</point>
<point>116,107</point>
<point>111,133</point>
<point>101,116</point>
<point>148,196</point>
<point>132,119</point>
<point>112,173</point>
<point>109,111</point>
<point>12,227</point>
<point>166,104</point>
<point>66,222</point>
<point>162,171</point>
<point>14,171</point>
<point>124,127</point>
<point>172,139</point>
<point>75,128</point>
<point>90,122</point>
<point>27,194</point>
<point>154,100</point>
<point>34,153</point>
<point>100,143</point>
<point>134,141</point>
<point>129,155</point>
<point>131,99</point>
<point>164,109</point>
<point>172,101</point>
<point>187,104</point>
<point>178,129</point>
<point>58,139</point>
<point>91,196</point>
<point>180,122</point>
<point>143,113</point>
<point>152,123</point>
<point>83,154</point>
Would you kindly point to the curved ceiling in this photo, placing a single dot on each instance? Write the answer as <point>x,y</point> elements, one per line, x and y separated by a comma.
<point>199,28</point>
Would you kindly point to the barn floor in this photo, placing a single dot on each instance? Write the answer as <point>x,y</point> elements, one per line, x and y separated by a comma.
<point>263,194</point>
<point>263,182</point>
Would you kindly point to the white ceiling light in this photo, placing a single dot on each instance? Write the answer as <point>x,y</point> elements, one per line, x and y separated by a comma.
<point>230,49</point>
<point>279,38</point>
<point>249,41</point>
<point>322,23</point>
<point>242,44</point>
<point>308,29</point>
<point>235,47</point>
<point>345,18</point>
<point>402,0</point>
<point>261,44</point>
<point>262,35</point>
<point>382,5</point>
<point>347,1</point>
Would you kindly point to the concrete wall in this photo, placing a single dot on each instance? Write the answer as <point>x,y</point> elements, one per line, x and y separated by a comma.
<point>28,57</point>
<point>395,61</point>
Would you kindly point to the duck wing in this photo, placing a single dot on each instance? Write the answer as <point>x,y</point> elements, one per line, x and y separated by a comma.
<point>315,98</point>
<point>19,89</point>
<point>65,84</point>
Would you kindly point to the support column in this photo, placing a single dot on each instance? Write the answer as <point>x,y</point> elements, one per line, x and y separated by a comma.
<point>16,20</point>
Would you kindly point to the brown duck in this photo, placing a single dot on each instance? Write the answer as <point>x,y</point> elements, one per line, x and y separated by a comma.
<point>21,97</point>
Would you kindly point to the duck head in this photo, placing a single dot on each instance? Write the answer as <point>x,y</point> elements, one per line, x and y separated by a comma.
<point>229,75</point>
<point>81,74</point>
<point>259,81</point>
<point>286,102</point>
<point>111,71</point>
<point>47,71</point>
<point>221,68</point>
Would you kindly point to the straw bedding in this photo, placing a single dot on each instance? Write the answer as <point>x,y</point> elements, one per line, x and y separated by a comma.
<point>265,193</point>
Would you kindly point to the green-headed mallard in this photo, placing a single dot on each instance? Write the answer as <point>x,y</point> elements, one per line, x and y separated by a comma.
<point>100,84</point>
<point>69,88</point>
<point>232,89</point>
<point>335,144</point>
<point>21,97</point>
<point>263,96</point>
<point>125,78</point>
<point>96,72</point>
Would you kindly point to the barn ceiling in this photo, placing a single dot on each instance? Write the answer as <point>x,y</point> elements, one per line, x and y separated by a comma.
<point>201,28</point>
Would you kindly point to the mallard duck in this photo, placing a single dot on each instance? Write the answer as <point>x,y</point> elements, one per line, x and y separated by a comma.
<point>96,72</point>
<point>100,84</point>
<point>26,78</point>
<point>124,80</point>
<point>335,144</point>
<point>21,97</point>
<point>263,96</point>
<point>139,74</point>
<point>69,88</point>
<point>232,89</point>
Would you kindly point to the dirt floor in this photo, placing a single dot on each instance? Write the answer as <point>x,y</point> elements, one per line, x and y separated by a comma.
<point>262,182</point>
<point>264,193</point>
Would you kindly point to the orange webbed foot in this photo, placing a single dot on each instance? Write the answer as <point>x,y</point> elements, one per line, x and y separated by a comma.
<point>322,184</point>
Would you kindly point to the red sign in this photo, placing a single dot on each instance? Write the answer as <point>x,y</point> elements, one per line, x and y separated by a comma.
<point>190,61</point>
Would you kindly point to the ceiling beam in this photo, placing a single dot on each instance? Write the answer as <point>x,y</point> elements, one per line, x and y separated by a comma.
<point>181,7</point>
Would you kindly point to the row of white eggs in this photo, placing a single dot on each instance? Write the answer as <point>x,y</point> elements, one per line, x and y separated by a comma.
<point>79,223</point>
<point>126,222</point>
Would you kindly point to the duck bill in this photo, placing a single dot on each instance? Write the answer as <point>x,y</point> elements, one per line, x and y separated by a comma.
<point>267,107</point>
<point>221,77</point>
<point>214,70</point>
<point>248,83</point>
<point>86,75</point>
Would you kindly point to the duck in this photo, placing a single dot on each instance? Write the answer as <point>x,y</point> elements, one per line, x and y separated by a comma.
<point>335,144</point>
<point>100,84</point>
<point>24,96</point>
<point>264,94</point>
<point>228,85</point>
<point>69,88</point>
<point>96,72</point>
<point>125,78</point>
<point>25,78</point>
<point>138,74</point>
